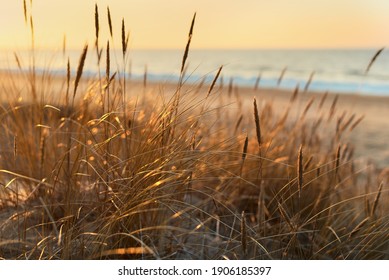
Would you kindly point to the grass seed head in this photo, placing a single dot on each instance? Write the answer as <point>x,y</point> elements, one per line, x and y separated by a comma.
<point>186,52</point>
<point>257,123</point>
<point>214,81</point>
<point>109,22</point>
<point>244,153</point>
<point>97,27</point>
<point>373,59</point>
<point>243,232</point>
<point>375,203</point>
<point>300,170</point>
<point>80,69</point>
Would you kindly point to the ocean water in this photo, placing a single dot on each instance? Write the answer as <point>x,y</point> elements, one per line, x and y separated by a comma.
<point>338,71</point>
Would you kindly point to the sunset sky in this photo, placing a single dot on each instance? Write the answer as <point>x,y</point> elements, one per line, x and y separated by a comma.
<point>226,24</point>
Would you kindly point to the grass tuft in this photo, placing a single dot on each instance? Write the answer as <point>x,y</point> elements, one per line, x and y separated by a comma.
<point>121,172</point>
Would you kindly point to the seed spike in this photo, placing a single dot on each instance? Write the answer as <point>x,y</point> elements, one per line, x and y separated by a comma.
<point>333,107</point>
<point>323,99</point>
<point>246,142</point>
<point>108,63</point>
<point>25,11</point>
<point>295,93</point>
<point>32,26</point>
<point>188,44</point>
<point>80,69</point>
<point>214,81</point>
<point>124,45</point>
<point>375,203</point>
<point>373,59</point>
<point>281,76</point>
<point>97,28</point>
<point>300,170</point>
<point>67,82</point>
<point>256,84</point>
<point>309,81</point>
<point>257,124</point>
<point>238,123</point>
<point>243,232</point>
<point>109,22</point>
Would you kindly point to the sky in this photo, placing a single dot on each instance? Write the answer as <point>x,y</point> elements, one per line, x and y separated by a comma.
<point>226,24</point>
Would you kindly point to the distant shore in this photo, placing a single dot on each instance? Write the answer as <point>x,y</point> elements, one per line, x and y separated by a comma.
<point>335,70</point>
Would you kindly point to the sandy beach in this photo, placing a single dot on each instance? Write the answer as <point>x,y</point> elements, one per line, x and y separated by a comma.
<point>37,142</point>
<point>197,131</point>
<point>369,137</point>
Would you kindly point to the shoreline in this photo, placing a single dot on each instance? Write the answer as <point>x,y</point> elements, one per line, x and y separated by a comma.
<point>247,83</point>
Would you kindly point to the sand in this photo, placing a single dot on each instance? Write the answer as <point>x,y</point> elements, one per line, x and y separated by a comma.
<point>370,138</point>
<point>371,135</point>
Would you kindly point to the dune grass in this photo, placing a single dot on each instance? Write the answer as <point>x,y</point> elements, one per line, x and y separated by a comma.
<point>105,174</point>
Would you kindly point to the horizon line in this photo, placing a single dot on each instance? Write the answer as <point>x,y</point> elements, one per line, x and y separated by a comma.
<point>40,48</point>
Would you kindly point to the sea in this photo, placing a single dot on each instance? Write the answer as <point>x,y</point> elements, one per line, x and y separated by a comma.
<point>332,70</point>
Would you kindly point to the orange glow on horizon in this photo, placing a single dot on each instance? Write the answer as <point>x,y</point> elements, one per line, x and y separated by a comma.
<point>226,24</point>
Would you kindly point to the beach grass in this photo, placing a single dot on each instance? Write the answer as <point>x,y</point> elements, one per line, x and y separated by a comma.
<point>124,170</point>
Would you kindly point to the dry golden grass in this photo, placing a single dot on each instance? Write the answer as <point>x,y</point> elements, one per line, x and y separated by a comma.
<point>164,176</point>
